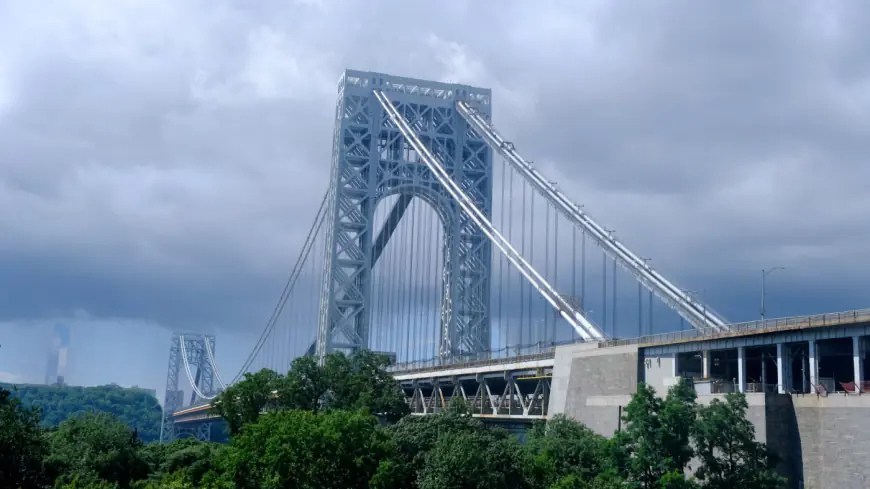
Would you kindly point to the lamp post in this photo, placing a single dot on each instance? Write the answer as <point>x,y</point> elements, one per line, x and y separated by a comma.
<point>764,274</point>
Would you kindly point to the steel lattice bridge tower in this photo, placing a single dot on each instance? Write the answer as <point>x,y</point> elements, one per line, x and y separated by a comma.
<point>434,141</point>
<point>372,160</point>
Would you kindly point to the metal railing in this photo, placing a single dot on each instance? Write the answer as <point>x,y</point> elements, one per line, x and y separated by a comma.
<point>539,350</point>
<point>737,329</point>
<point>509,354</point>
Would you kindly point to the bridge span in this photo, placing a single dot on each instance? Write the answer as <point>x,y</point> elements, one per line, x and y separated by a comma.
<point>805,379</point>
<point>438,240</point>
<point>769,356</point>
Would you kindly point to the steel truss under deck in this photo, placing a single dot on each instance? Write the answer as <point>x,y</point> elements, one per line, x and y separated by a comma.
<point>516,394</point>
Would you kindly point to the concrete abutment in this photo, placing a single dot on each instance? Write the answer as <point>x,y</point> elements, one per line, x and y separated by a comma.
<point>821,438</point>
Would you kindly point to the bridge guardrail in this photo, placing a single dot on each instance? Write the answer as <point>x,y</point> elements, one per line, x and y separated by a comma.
<point>543,351</point>
<point>736,329</point>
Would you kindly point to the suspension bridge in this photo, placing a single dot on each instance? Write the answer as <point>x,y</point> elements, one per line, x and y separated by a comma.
<point>438,243</point>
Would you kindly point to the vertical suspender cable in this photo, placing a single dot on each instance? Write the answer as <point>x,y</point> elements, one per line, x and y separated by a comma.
<point>575,318</point>
<point>699,316</point>
<point>574,270</point>
<point>533,335</point>
<point>604,289</point>
<point>615,296</point>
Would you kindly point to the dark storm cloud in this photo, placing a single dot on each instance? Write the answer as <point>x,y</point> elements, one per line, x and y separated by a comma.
<point>163,160</point>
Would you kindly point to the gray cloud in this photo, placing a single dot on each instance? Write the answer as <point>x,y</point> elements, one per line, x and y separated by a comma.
<point>163,160</point>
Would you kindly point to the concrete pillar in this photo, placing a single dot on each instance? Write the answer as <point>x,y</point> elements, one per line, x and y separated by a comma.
<point>814,366</point>
<point>741,369</point>
<point>763,372</point>
<point>805,384</point>
<point>858,360</point>
<point>705,362</point>
<point>781,370</point>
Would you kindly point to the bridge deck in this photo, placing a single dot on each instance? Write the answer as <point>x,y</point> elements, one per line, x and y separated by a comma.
<point>544,358</point>
<point>829,320</point>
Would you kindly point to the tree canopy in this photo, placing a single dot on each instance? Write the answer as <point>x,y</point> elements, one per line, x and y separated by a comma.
<point>22,444</point>
<point>356,382</point>
<point>137,408</point>
<point>343,425</point>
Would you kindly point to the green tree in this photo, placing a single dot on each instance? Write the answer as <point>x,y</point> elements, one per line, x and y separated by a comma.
<point>22,445</point>
<point>242,402</point>
<point>96,446</point>
<point>677,480</point>
<point>137,408</point>
<point>85,481</point>
<point>304,450</point>
<point>677,419</point>
<point>617,453</point>
<point>305,385</point>
<point>182,480</point>
<point>474,460</point>
<point>562,447</point>
<point>647,460</point>
<point>185,459</point>
<point>412,438</point>
<point>730,456</point>
<point>570,481</point>
<point>657,439</point>
<point>607,480</point>
<point>361,381</point>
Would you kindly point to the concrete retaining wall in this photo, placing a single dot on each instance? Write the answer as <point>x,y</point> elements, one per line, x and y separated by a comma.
<point>590,384</point>
<point>834,434</point>
<point>822,441</point>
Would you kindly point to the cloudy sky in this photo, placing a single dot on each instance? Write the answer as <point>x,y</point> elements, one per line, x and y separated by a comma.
<point>160,160</point>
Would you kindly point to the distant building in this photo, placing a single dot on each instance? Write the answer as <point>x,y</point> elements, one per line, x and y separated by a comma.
<point>55,369</point>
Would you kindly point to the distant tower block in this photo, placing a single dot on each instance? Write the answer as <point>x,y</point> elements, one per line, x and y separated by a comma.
<point>55,370</point>
<point>371,161</point>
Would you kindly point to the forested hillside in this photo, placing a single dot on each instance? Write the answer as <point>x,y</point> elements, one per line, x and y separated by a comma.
<point>136,408</point>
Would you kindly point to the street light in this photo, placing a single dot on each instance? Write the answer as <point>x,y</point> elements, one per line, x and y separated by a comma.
<point>764,274</point>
